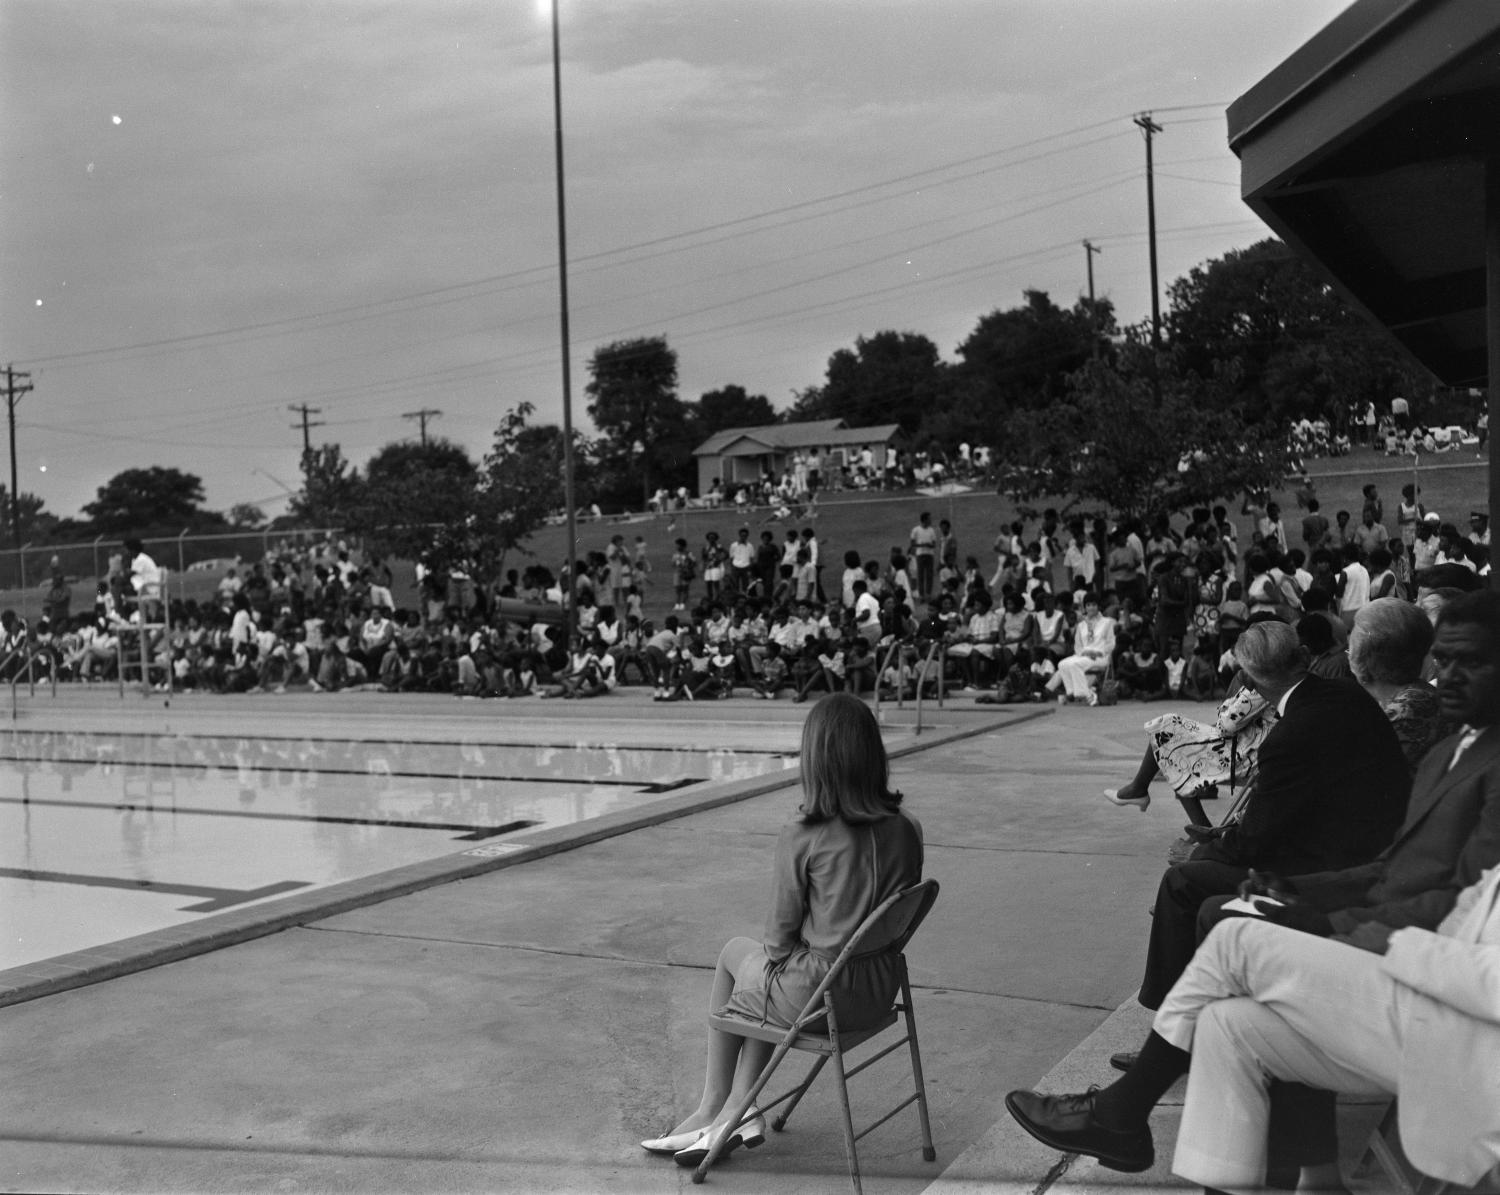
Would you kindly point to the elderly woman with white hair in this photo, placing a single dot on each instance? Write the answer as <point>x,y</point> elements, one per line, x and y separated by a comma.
<point>1387,649</point>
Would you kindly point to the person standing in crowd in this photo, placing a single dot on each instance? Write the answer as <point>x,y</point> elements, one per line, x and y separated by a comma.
<point>922,546</point>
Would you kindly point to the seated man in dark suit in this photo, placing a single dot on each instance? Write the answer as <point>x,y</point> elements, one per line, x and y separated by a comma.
<point>1330,790</point>
<point>1450,836</point>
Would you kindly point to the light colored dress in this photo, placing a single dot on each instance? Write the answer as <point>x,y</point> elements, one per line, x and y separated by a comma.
<point>828,877</point>
<point>1191,754</point>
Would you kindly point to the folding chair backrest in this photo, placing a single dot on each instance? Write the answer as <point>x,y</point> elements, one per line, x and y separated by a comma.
<point>904,911</point>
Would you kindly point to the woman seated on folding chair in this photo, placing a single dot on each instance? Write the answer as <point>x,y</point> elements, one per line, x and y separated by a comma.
<point>1196,757</point>
<point>850,847</point>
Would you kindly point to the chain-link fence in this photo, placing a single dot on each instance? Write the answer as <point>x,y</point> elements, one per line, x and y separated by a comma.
<point>26,573</point>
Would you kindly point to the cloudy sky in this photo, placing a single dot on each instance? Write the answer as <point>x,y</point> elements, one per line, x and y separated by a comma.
<point>213,210</point>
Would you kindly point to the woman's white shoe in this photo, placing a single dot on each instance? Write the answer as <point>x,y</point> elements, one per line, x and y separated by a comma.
<point>671,1143</point>
<point>750,1134</point>
<point>1112,795</point>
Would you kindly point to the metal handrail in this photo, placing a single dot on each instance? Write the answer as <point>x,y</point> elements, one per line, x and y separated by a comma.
<point>922,680</point>
<point>15,681</point>
<point>886,663</point>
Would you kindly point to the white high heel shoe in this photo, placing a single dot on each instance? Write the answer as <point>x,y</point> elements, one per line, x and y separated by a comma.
<point>673,1142</point>
<point>1112,795</point>
<point>750,1134</point>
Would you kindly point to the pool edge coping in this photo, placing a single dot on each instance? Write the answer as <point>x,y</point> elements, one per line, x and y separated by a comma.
<point>156,948</point>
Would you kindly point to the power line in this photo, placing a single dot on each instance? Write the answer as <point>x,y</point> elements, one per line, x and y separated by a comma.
<point>770,213</point>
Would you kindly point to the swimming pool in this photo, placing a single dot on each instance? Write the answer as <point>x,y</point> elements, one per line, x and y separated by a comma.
<point>110,832</point>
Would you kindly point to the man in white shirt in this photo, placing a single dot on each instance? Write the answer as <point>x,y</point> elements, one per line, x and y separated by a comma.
<point>923,545</point>
<point>742,561</point>
<point>145,579</point>
<point>1353,586</point>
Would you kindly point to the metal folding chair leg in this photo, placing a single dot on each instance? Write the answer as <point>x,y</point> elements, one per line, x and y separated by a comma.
<point>929,1154</point>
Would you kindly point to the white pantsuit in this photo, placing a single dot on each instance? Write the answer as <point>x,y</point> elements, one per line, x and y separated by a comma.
<point>1421,1021</point>
<point>1093,644</point>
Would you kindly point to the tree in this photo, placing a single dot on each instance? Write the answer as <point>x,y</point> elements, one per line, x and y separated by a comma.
<point>139,500</point>
<point>28,515</point>
<point>398,461</point>
<point>246,514</point>
<point>521,484</point>
<point>633,402</point>
<point>1021,358</point>
<point>891,377</point>
<point>1298,348</point>
<point>1141,439</point>
<point>732,407</point>
<point>331,488</point>
<point>414,496</point>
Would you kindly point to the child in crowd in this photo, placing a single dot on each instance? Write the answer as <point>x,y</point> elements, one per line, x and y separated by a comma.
<point>774,675</point>
<point>1199,682</point>
<point>722,665</point>
<point>1176,667</point>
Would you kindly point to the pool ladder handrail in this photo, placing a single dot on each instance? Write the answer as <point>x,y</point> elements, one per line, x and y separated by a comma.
<point>15,681</point>
<point>896,645</point>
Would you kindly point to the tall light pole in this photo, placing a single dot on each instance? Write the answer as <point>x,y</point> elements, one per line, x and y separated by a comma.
<point>571,590</point>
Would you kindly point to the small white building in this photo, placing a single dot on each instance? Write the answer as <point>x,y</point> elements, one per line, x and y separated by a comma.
<point>741,455</point>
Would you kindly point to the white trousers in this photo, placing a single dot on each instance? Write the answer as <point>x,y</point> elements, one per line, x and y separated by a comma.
<point>1073,672</point>
<point>1260,1001</point>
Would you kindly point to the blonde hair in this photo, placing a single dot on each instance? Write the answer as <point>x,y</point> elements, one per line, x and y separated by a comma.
<point>845,772</point>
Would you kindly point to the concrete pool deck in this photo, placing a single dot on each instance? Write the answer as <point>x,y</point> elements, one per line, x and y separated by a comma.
<point>523,1028</point>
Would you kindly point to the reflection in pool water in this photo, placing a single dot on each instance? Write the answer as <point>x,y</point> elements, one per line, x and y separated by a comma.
<point>111,834</point>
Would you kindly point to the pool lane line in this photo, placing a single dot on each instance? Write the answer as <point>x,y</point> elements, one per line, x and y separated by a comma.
<point>215,899</point>
<point>193,765</point>
<point>474,833</point>
<point>574,745</point>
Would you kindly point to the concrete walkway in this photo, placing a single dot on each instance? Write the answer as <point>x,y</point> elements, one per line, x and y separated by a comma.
<point>521,1030</point>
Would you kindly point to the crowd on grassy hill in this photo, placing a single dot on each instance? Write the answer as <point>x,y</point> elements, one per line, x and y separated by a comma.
<point>1056,607</point>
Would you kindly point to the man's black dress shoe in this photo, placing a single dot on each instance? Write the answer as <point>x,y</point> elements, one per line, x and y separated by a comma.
<point>1124,1060</point>
<point>1066,1122</point>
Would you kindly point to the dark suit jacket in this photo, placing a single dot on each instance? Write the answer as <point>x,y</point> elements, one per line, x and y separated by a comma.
<point>1451,835</point>
<point>1331,785</point>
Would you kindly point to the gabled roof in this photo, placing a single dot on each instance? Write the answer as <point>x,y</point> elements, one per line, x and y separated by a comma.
<point>773,436</point>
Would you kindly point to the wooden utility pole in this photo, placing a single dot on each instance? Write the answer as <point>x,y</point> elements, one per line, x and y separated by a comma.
<point>1089,249</point>
<point>16,384</point>
<point>306,425</point>
<point>1149,127</point>
<point>422,417</point>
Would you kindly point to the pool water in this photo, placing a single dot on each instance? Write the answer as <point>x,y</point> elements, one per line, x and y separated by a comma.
<point>104,835</point>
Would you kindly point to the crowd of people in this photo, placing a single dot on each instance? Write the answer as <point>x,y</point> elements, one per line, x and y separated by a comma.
<point>1082,611</point>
